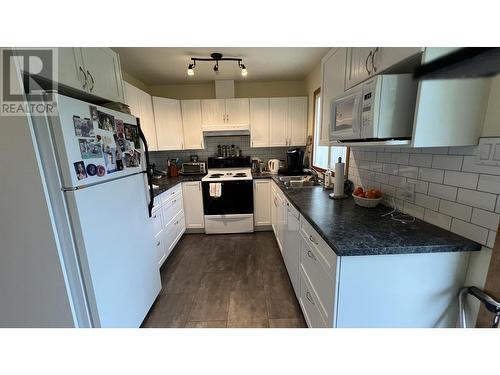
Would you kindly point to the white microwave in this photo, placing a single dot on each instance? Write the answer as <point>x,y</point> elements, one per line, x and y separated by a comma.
<point>380,108</point>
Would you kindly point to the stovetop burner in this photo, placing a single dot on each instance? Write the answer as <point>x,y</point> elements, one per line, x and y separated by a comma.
<point>240,175</point>
<point>216,175</point>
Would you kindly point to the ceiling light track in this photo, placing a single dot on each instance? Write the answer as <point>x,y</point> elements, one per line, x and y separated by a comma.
<point>216,57</point>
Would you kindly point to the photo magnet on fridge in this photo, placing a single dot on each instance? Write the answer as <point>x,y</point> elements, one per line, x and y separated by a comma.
<point>120,129</point>
<point>81,173</point>
<point>101,171</point>
<point>83,127</point>
<point>132,134</point>
<point>110,161</point>
<point>91,169</point>
<point>120,143</point>
<point>106,121</point>
<point>94,116</point>
<point>89,148</point>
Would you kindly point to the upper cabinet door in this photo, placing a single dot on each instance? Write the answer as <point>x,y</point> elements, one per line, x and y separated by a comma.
<point>259,122</point>
<point>71,71</point>
<point>167,113</point>
<point>213,112</point>
<point>297,121</point>
<point>104,75</point>
<point>132,98</point>
<point>191,123</point>
<point>333,68</point>
<point>278,121</point>
<point>147,117</point>
<point>359,65</point>
<point>237,111</point>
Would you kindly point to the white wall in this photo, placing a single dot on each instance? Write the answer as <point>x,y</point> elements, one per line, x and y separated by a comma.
<point>33,290</point>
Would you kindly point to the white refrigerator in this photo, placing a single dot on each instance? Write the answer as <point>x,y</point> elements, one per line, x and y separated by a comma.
<point>94,165</point>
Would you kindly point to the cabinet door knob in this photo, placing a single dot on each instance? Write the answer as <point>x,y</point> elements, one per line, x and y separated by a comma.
<point>158,243</point>
<point>373,60</point>
<point>84,77</point>
<point>310,254</point>
<point>92,78</point>
<point>311,238</point>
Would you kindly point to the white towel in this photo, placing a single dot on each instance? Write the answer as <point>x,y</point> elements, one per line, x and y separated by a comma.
<point>215,190</point>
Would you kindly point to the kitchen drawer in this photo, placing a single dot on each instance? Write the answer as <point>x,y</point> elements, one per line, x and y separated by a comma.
<point>157,220</point>
<point>326,253</point>
<point>309,303</point>
<point>170,193</point>
<point>321,280</point>
<point>157,201</point>
<point>174,231</point>
<point>171,208</point>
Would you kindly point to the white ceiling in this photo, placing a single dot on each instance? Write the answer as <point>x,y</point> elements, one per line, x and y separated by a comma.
<point>160,66</point>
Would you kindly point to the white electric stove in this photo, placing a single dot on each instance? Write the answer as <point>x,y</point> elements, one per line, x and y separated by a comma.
<point>232,211</point>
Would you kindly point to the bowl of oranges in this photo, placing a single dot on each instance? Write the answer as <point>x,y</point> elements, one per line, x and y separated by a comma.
<point>367,198</point>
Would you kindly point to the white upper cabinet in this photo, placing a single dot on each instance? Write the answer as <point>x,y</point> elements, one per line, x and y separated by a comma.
<point>168,123</point>
<point>278,122</point>
<point>333,68</point>
<point>259,122</point>
<point>95,71</point>
<point>449,112</point>
<point>141,106</point>
<point>359,65</point>
<point>297,121</point>
<point>364,62</point>
<point>222,112</point>
<point>213,111</point>
<point>237,111</point>
<point>191,123</point>
<point>104,74</point>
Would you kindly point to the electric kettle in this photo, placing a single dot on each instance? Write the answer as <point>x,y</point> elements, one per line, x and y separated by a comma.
<point>273,166</point>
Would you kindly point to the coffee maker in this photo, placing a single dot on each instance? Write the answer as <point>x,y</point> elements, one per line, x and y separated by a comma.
<point>295,161</point>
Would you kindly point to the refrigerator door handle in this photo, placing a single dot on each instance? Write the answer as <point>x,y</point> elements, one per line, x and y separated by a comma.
<point>147,171</point>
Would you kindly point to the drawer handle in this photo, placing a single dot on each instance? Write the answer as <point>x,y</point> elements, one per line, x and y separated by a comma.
<point>309,297</point>
<point>310,254</point>
<point>175,200</point>
<point>311,238</point>
<point>158,243</point>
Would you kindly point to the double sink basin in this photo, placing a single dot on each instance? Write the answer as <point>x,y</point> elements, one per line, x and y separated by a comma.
<point>298,182</point>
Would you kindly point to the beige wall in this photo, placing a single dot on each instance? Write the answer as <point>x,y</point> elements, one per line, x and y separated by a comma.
<point>134,81</point>
<point>258,89</point>
<point>187,91</point>
<point>312,83</point>
<point>492,120</point>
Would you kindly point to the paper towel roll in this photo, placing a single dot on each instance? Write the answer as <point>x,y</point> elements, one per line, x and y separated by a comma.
<point>338,185</point>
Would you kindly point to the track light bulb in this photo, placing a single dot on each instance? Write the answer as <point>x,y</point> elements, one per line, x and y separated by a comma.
<point>191,70</point>
<point>244,71</point>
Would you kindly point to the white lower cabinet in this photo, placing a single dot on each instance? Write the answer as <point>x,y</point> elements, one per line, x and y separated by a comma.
<point>193,205</point>
<point>402,290</point>
<point>261,200</point>
<point>168,221</point>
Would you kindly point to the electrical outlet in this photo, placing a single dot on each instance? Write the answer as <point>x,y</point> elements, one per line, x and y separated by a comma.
<point>408,191</point>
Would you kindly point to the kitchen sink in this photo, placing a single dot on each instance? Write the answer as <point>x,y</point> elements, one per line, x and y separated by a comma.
<point>298,181</point>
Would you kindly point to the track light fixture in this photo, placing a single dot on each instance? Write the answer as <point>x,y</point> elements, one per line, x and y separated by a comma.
<point>216,57</point>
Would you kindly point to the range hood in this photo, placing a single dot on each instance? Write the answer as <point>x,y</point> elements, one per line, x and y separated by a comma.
<point>224,89</point>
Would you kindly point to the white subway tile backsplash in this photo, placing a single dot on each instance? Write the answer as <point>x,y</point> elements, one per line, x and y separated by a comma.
<point>435,150</point>
<point>489,183</point>
<point>462,150</point>
<point>396,180</point>
<point>461,179</point>
<point>387,189</point>
<point>420,186</point>
<point>377,167</point>
<point>407,171</point>
<point>384,157</point>
<point>371,155</point>
<point>476,199</point>
<point>471,231</point>
<point>400,158</point>
<point>443,191</point>
<point>426,201</point>
<point>454,209</point>
<point>485,218</point>
<point>413,210</point>
<point>420,160</point>
<point>491,239</point>
<point>497,209</point>
<point>471,166</point>
<point>431,175</point>
<point>391,169</point>
<point>435,218</point>
<point>452,162</point>
<point>382,178</point>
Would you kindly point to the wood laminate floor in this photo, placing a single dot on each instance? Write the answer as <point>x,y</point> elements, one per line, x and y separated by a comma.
<point>232,280</point>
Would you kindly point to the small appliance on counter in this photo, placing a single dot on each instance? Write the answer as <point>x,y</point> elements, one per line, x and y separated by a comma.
<point>273,165</point>
<point>173,167</point>
<point>198,167</point>
<point>294,161</point>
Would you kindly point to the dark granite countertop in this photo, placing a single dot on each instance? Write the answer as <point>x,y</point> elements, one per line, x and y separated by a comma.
<point>166,183</point>
<point>352,230</point>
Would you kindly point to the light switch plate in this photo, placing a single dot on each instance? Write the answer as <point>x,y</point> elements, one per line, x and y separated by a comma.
<point>488,152</point>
